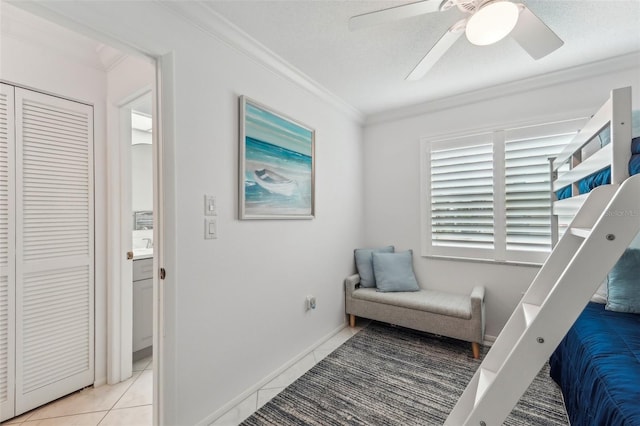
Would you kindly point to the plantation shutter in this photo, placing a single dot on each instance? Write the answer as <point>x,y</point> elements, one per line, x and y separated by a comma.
<point>54,248</point>
<point>461,196</point>
<point>527,202</point>
<point>7,252</point>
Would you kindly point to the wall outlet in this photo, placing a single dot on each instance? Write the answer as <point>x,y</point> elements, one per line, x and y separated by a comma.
<point>311,302</point>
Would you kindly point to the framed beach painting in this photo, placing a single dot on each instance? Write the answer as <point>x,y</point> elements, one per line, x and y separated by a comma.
<point>277,165</point>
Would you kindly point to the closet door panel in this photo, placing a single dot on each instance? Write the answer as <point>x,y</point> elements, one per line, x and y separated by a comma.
<point>7,252</point>
<point>54,248</point>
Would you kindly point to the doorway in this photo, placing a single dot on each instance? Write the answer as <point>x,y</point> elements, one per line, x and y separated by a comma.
<point>137,232</point>
<point>134,296</point>
<point>101,76</point>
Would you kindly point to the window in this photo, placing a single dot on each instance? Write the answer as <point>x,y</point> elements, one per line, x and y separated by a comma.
<point>462,196</point>
<point>527,191</point>
<point>487,195</point>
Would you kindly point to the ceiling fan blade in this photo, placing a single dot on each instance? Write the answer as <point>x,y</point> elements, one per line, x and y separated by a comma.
<point>534,35</point>
<point>434,55</point>
<point>395,13</point>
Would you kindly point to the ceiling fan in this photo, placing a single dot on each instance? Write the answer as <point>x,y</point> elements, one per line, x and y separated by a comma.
<point>489,21</point>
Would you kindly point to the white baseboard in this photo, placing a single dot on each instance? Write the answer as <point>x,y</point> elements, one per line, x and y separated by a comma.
<point>489,340</point>
<point>259,385</point>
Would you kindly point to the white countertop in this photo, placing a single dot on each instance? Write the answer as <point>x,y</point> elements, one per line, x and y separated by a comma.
<point>142,253</point>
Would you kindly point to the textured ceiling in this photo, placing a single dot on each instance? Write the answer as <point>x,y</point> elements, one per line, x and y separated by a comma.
<point>367,67</point>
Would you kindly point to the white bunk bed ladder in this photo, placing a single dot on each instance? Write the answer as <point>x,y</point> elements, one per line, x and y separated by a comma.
<point>602,229</point>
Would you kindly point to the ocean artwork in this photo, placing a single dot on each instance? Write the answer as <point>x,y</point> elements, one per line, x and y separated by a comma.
<point>276,165</point>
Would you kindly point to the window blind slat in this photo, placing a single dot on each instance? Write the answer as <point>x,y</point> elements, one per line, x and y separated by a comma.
<point>462,197</point>
<point>527,205</point>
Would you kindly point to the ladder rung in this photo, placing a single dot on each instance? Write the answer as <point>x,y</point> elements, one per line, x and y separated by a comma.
<point>530,312</point>
<point>581,232</point>
<point>484,381</point>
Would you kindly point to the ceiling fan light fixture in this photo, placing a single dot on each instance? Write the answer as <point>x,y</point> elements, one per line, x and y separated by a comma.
<point>493,22</point>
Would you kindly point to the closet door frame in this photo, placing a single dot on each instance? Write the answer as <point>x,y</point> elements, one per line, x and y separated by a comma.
<point>7,405</point>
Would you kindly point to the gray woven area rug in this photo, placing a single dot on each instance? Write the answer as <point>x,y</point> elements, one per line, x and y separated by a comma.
<point>387,375</point>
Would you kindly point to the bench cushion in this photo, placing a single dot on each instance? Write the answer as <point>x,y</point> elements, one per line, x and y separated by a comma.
<point>437,302</point>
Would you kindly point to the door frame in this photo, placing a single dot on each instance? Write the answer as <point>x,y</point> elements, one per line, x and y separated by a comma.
<point>164,204</point>
<point>163,207</point>
<point>119,291</point>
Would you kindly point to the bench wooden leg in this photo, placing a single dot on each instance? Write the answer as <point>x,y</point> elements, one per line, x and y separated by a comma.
<point>475,347</point>
<point>352,320</point>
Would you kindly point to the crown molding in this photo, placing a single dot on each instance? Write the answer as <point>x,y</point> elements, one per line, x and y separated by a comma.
<point>109,56</point>
<point>580,72</point>
<point>201,15</point>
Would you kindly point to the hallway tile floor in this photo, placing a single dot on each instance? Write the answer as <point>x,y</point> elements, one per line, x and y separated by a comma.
<point>126,403</point>
<point>129,403</point>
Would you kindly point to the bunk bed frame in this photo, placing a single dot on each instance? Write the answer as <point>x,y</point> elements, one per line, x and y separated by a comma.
<point>597,362</point>
<point>591,244</point>
<point>576,162</point>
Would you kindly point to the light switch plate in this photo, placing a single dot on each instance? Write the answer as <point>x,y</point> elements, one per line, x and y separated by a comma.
<point>210,228</point>
<point>210,205</point>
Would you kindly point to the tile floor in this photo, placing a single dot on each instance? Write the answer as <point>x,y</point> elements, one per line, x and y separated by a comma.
<point>129,403</point>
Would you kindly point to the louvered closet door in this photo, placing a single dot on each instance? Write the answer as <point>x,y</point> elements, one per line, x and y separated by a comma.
<point>54,248</point>
<point>7,252</point>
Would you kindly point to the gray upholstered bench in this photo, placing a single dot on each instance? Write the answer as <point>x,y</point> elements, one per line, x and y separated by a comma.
<point>447,314</point>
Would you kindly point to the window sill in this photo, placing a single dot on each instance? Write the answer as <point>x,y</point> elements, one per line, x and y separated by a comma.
<point>490,261</point>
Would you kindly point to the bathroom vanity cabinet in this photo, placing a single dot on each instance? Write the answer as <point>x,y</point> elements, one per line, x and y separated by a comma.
<point>142,303</point>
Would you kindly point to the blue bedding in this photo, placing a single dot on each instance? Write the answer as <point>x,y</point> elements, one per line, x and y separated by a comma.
<point>603,177</point>
<point>597,365</point>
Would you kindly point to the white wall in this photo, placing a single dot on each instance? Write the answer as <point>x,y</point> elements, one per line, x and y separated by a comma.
<point>240,299</point>
<point>141,177</point>
<point>392,179</point>
<point>32,66</point>
<point>235,305</point>
<point>129,79</point>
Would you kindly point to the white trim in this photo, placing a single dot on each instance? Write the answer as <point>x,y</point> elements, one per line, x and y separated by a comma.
<point>499,202</point>
<point>119,290</point>
<point>580,72</point>
<point>46,92</point>
<point>489,340</point>
<point>124,305</point>
<point>164,244</point>
<point>109,56</point>
<point>425,208</point>
<point>202,16</point>
<point>476,260</point>
<point>238,399</point>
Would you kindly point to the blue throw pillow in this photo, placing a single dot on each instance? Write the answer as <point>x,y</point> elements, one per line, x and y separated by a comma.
<point>624,284</point>
<point>635,145</point>
<point>394,271</point>
<point>634,165</point>
<point>364,263</point>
